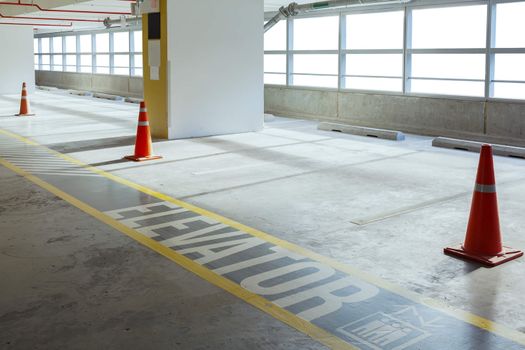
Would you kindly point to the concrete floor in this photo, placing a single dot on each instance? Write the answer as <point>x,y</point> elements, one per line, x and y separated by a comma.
<point>71,282</point>
<point>384,207</point>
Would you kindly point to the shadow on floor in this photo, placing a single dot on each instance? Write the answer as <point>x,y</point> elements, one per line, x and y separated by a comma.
<point>90,145</point>
<point>110,162</point>
<point>93,116</point>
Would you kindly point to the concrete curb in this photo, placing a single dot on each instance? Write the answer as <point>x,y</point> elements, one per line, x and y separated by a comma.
<point>46,88</point>
<point>133,100</point>
<point>473,146</point>
<point>80,93</point>
<point>363,131</point>
<point>109,97</point>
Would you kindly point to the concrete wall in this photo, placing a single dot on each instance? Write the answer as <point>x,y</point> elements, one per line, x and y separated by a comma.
<point>111,84</point>
<point>215,50</point>
<point>496,122</point>
<point>16,59</point>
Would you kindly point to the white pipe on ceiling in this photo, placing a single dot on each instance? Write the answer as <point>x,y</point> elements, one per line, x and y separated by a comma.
<point>295,9</point>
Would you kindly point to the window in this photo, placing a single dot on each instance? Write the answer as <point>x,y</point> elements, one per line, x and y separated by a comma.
<point>320,66</point>
<point>102,50</point>
<point>70,53</point>
<point>509,65</point>
<point>57,64</point>
<point>136,68</point>
<point>46,62</point>
<point>103,64</point>
<point>275,62</point>
<point>509,21</point>
<point>121,64</point>
<point>275,69</point>
<point>71,44</point>
<point>86,56</point>
<point>315,64</point>
<point>103,53</point>
<point>449,27</point>
<point>318,33</point>
<point>85,43</point>
<point>121,42</point>
<point>374,58</point>
<point>71,63</point>
<point>45,45</point>
<point>449,59</point>
<point>137,65</point>
<point>57,44</point>
<point>433,49</point>
<point>275,38</point>
<point>137,41</point>
<point>362,33</point>
<point>102,43</point>
<point>45,49</point>
<point>36,50</point>
<point>86,63</point>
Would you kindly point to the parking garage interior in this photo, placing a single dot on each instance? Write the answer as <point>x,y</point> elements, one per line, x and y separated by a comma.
<point>259,174</point>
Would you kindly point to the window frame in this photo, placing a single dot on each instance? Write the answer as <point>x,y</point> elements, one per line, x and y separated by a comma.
<point>489,51</point>
<point>493,51</point>
<point>133,71</point>
<point>344,52</point>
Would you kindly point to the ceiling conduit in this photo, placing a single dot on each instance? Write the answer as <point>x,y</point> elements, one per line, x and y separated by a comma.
<point>20,3</point>
<point>36,24</point>
<point>295,9</point>
<point>53,19</point>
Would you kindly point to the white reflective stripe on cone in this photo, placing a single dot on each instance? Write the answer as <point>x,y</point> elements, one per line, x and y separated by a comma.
<point>485,188</point>
<point>143,123</point>
<point>24,97</point>
<point>143,110</point>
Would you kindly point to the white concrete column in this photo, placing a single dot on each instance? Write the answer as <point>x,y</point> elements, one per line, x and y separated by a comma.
<point>215,67</point>
<point>16,59</point>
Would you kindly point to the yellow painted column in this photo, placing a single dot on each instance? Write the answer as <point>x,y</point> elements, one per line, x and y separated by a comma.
<point>156,91</point>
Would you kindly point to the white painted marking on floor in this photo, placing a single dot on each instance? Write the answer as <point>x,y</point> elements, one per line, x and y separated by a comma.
<point>255,283</point>
<point>276,254</point>
<point>183,239</point>
<point>331,302</point>
<point>293,273</point>
<point>134,222</point>
<point>215,171</point>
<point>117,214</point>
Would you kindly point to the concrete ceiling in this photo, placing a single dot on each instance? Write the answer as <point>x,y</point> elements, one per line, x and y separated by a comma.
<point>54,21</point>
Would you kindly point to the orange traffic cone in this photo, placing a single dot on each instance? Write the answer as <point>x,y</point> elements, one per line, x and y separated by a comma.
<point>143,149</point>
<point>25,110</point>
<point>483,239</point>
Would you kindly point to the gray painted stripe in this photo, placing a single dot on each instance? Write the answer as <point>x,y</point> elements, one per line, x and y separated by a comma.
<point>485,188</point>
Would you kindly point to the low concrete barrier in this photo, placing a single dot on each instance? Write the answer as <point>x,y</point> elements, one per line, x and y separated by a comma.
<point>473,146</point>
<point>363,131</point>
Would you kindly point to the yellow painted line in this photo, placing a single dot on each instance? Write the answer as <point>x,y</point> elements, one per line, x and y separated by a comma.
<point>281,314</point>
<point>462,315</point>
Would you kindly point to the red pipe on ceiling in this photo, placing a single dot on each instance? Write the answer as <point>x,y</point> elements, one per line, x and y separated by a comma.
<point>19,3</point>
<point>53,19</point>
<point>37,24</point>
